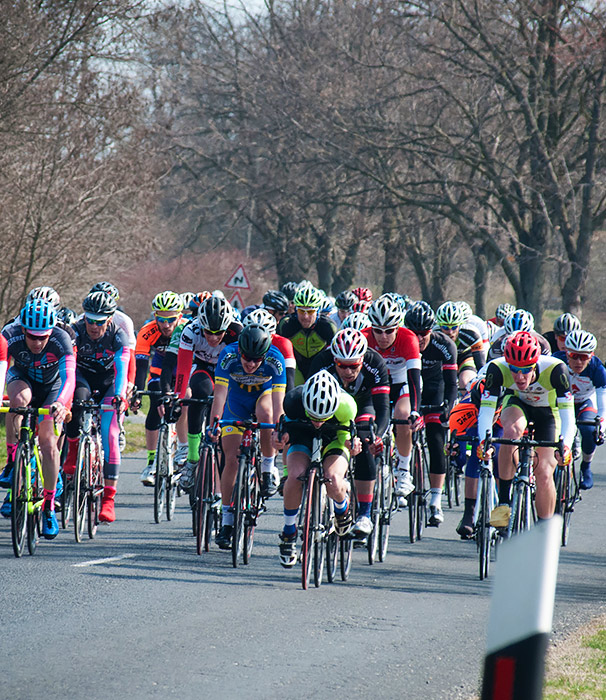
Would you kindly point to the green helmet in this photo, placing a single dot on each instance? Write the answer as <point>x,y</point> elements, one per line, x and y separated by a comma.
<point>167,301</point>
<point>450,314</point>
<point>308,297</point>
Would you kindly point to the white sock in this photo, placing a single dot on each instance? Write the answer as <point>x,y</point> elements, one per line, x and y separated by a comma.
<point>181,445</point>
<point>404,463</point>
<point>267,464</point>
<point>436,498</point>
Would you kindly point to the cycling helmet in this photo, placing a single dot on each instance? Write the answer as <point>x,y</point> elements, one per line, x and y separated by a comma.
<point>384,312</point>
<point>274,299</point>
<point>566,323</point>
<point>522,349</point>
<point>327,305</point>
<point>187,297</point>
<point>108,287</point>
<point>47,293</point>
<point>321,395</point>
<point>261,317</point>
<point>361,306</point>
<point>99,305</point>
<point>197,299</point>
<point>519,320</point>
<point>349,344</point>
<point>236,314</point>
<point>308,298</point>
<point>254,341</point>
<point>167,302</point>
<point>289,289</point>
<point>450,314</point>
<point>503,311</point>
<point>215,314</point>
<point>581,341</point>
<point>492,328</point>
<point>345,301</point>
<point>38,316</point>
<point>363,293</point>
<point>357,320</point>
<point>466,310</point>
<point>405,301</point>
<point>420,317</point>
<point>66,316</point>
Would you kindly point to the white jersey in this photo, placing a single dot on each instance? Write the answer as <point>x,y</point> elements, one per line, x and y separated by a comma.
<point>126,324</point>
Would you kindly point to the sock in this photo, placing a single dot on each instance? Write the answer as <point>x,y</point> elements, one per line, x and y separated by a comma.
<point>341,506</point>
<point>109,492</point>
<point>364,504</point>
<point>436,498</point>
<point>267,464</point>
<point>404,463</point>
<point>151,456</point>
<point>285,472</point>
<point>10,451</point>
<point>290,520</point>
<point>470,504</point>
<point>227,515</point>
<point>49,499</point>
<point>505,492</point>
<point>193,447</point>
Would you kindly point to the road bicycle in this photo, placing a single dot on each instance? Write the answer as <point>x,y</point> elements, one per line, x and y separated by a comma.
<point>248,503</point>
<point>27,482</point>
<point>452,479</point>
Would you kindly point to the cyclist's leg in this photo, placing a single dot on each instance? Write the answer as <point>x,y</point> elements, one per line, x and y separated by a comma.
<point>270,476</point>
<point>434,433</point>
<point>110,436</point>
<point>365,473</point>
<point>403,436</point>
<point>585,412</point>
<point>201,385</point>
<point>297,461</point>
<point>152,424</point>
<point>82,392</point>
<point>20,395</point>
<point>514,421</point>
<point>335,461</point>
<point>546,427</point>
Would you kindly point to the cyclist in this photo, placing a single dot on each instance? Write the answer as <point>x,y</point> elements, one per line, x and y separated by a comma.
<point>289,289</point>
<point>344,302</point>
<point>319,403</point>
<point>399,348</point>
<point>249,379</point>
<point>102,361</point>
<point>539,392</point>
<point>307,329</point>
<point>561,328</point>
<point>276,303</point>
<point>358,320</point>
<point>439,380</point>
<point>470,347</point>
<point>200,345</point>
<point>501,313</point>
<point>42,375</point>
<point>363,294</point>
<point>362,373</point>
<point>152,342</point>
<point>518,320</point>
<point>588,382</point>
<point>476,322</point>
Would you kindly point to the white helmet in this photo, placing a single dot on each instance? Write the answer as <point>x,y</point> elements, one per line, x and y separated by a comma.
<point>321,395</point>
<point>356,319</point>
<point>581,341</point>
<point>384,312</point>
<point>349,344</point>
<point>261,317</point>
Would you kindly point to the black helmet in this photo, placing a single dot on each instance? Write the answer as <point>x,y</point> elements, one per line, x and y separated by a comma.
<point>215,314</point>
<point>99,304</point>
<point>345,300</point>
<point>289,289</point>
<point>66,315</point>
<point>274,299</point>
<point>419,317</point>
<point>254,341</point>
<point>108,287</point>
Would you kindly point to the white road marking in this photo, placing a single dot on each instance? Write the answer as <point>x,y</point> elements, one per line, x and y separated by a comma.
<point>107,560</point>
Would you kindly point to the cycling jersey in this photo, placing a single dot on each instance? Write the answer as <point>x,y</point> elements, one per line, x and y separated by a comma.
<point>270,375</point>
<point>439,370</point>
<point>498,344</point>
<point>590,385</point>
<point>470,348</point>
<point>3,361</point>
<point>150,343</point>
<point>55,364</point>
<point>306,342</point>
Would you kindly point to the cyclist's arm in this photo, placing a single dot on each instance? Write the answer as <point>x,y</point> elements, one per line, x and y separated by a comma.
<point>121,361</point>
<point>166,375</point>
<point>490,397</point>
<point>67,372</point>
<point>564,400</point>
<point>219,399</point>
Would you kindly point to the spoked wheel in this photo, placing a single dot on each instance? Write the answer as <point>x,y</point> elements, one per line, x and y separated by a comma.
<point>521,518</point>
<point>213,510</point>
<point>19,501</point>
<point>449,485</point>
<point>34,521</point>
<point>375,516</point>
<point>320,528</point>
<point>81,486</point>
<point>456,480</point>
<point>416,497</point>
<point>239,501</point>
<point>484,531</point>
<point>95,492</point>
<point>67,499</point>
<point>346,550</point>
<point>307,544</point>
<point>332,543</point>
<point>564,500</point>
<point>201,503</point>
<point>161,473</point>
<point>386,506</point>
<point>253,508</point>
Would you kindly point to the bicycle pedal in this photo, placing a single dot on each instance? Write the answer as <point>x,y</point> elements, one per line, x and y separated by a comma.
<point>360,543</point>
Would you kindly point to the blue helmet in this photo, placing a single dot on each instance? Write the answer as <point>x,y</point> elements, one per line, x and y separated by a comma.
<point>38,316</point>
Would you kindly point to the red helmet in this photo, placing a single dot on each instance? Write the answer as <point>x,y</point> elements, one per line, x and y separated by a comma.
<point>363,293</point>
<point>361,305</point>
<point>522,349</point>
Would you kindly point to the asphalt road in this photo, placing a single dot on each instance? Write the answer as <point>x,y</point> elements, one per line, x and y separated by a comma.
<point>160,621</point>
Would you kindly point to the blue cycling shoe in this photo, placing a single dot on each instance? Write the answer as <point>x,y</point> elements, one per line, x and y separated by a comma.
<point>5,508</point>
<point>586,478</point>
<point>50,526</point>
<point>6,478</point>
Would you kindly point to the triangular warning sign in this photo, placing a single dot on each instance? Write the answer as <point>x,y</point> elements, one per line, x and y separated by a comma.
<point>238,280</point>
<point>236,301</point>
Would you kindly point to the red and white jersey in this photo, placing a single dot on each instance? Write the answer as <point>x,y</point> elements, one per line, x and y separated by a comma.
<point>401,356</point>
<point>284,345</point>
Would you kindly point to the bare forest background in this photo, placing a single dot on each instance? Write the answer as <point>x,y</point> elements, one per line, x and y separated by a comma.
<point>448,150</point>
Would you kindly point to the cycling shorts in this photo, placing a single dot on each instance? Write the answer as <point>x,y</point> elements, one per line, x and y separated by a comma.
<point>43,395</point>
<point>240,405</point>
<point>546,419</point>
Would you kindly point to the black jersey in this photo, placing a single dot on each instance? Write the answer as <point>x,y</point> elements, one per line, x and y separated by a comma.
<point>98,356</point>
<point>439,370</point>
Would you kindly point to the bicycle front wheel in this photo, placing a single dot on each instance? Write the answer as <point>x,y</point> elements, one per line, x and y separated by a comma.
<point>386,506</point>
<point>252,509</point>
<point>375,516</point>
<point>162,458</point>
<point>306,545</point>
<point>483,529</point>
<point>239,501</point>
<point>81,488</point>
<point>320,525</point>
<point>67,500</point>
<point>200,501</point>
<point>95,482</point>
<point>19,500</point>
<point>33,515</point>
<point>415,498</point>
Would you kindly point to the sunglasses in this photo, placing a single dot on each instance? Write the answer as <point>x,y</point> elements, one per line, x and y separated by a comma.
<point>36,338</point>
<point>449,328</point>
<point>94,321</point>
<point>578,356</point>
<point>246,358</point>
<point>166,319</point>
<point>307,312</point>
<point>207,332</point>
<point>524,370</point>
<point>384,331</point>
<point>348,365</point>
<point>423,334</point>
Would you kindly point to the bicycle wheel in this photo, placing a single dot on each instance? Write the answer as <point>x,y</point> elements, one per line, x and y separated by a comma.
<point>162,458</point>
<point>414,498</point>
<point>34,521</point>
<point>346,550</point>
<point>213,510</point>
<point>332,542</point>
<point>67,500</point>
<point>95,490</point>
<point>564,502</point>
<point>386,506</point>
<point>239,501</point>
<point>19,500</point>
<point>372,542</point>
<point>307,534</point>
<point>449,483</point>
<point>483,528</point>
<point>81,488</point>
<point>253,506</point>
<point>201,501</point>
<point>456,480</point>
<point>320,510</point>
